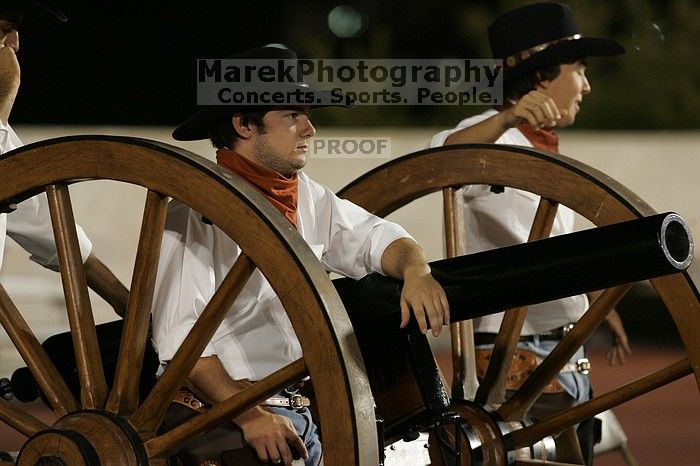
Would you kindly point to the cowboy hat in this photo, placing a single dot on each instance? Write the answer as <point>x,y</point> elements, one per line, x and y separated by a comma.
<point>197,126</point>
<point>542,34</point>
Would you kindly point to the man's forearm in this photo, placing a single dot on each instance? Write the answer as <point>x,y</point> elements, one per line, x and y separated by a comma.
<point>402,256</point>
<point>488,131</point>
<point>210,380</point>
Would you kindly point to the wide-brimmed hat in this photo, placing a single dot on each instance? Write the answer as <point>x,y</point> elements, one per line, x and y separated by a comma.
<point>542,34</point>
<point>209,116</point>
<point>32,7</point>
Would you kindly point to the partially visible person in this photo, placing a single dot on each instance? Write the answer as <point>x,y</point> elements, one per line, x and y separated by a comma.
<point>29,224</point>
<point>544,58</point>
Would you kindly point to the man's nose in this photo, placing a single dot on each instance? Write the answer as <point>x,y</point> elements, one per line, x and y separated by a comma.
<point>12,39</point>
<point>586,85</point>
<point>308,130</point>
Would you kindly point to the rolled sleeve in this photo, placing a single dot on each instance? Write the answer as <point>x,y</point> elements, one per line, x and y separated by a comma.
<point>356,238</point>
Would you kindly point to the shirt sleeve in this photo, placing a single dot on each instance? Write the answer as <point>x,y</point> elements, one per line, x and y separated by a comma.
<point>184,281</point>
<point>355,238</point>
<point>8,138</point>
<point>439,139</point>
<point>30,225</point>
<point>471,191</point>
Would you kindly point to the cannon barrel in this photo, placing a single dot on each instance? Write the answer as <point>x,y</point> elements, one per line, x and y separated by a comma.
<point>524,274</point>
<point>405,382</point>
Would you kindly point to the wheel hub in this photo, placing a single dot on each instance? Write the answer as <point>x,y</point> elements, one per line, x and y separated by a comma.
<point>85,438</point>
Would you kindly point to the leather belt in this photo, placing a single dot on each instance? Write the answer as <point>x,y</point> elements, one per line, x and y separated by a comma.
<point>523,365</point>
<point>483,338</point>
<point>187,398</point>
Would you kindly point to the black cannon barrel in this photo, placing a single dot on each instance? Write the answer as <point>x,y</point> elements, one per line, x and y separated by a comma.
<point>524,274</point>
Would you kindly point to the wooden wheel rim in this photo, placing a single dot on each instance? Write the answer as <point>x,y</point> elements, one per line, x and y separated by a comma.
<point>587,191</point>
<point>263,235</point>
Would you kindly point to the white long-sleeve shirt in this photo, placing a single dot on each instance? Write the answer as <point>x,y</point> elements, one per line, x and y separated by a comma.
<point>497,220</point>
<point>30,224</point>
<point>256,337</point>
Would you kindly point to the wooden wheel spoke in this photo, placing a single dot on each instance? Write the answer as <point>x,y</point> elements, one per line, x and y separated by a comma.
<point>87,353</point>
<point>44,371</point>
<point>171,441</point>
<point>522,400</point>
<point>493,386</point>
<point>609,400</point>
<point>19,420</point>
<point>149,415</point>
<point>123,398</point>
<point>464,382</point>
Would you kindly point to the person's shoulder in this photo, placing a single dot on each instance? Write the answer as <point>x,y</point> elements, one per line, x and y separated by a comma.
<point>311,184</point>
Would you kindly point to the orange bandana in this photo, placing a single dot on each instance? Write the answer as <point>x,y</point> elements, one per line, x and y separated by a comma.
<point>543,139</point>
<point>281,191</point>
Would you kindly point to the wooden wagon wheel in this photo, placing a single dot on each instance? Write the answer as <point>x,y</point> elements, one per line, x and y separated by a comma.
<point>108,425</point>
<point>558,180</point>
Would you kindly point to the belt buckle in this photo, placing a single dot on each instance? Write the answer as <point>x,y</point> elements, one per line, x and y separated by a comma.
<point>296,401</point>
<point>583,366</point>
<point>566,329</point>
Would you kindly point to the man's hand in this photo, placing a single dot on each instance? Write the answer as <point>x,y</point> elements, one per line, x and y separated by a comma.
<point>271,436</point>
<point>534,108</point>
<point>620,347</point>
<point>9,81</point>
<point>404,259</point>
<point>426,298</point>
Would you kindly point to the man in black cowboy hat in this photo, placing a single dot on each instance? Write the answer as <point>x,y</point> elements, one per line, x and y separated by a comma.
<point>543,55</point>
<point>267,146</point>
<point>29,224</point>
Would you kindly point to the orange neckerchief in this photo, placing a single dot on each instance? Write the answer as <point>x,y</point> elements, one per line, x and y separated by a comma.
<point>283,192</point>
<point>540,138</point>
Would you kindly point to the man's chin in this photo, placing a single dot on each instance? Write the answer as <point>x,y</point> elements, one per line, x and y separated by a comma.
<point>566,121</point>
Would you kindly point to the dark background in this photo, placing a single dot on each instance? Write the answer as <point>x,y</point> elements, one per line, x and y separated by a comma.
<point>133,63</point>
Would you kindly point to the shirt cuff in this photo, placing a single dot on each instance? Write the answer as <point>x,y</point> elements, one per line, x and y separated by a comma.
<point>52,262</point>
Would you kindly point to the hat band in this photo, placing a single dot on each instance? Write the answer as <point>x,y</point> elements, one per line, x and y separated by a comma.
<point>517,58</point>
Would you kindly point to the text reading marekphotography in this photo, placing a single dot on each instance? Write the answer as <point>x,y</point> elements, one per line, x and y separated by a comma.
<point>345,82</point>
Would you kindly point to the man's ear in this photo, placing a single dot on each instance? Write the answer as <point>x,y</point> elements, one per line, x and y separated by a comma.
<point>244,131</point>
<point>542,83</point>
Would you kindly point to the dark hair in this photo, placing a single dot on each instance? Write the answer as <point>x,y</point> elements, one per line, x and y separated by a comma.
<point>224,135</point>
<point>517,87</point>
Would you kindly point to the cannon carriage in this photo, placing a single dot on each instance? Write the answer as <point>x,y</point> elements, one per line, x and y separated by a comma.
<point>111,425</point>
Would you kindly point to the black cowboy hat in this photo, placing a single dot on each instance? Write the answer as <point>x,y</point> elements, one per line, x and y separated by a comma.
<point>197,126</point>
<point>542,34</point>
<point>15,9</point>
